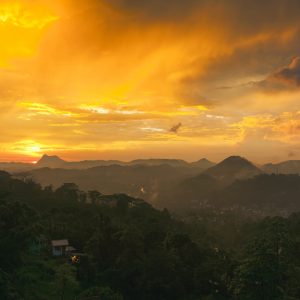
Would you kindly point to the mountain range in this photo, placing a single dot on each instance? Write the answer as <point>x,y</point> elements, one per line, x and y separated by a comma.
<point>194,190</point>
<point>159,184</point>
<point>286,167</point>
<point>171,183</point>
<point>56,162</point>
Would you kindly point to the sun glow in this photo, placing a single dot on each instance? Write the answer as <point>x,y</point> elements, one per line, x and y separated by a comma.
<point>27,15</point>
<point>22,26</point>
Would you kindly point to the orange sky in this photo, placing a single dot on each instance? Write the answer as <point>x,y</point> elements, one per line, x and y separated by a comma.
<point>109,79</point>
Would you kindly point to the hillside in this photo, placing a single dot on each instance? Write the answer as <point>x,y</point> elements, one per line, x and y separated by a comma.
<point>138,180</point>
<point>128,245</point>
<point>268,193</point>
<point>120,239</point>
<point>186,194</point>
<point>162,185</point>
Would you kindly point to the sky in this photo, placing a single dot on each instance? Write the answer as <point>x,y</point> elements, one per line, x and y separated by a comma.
<point>129,79</point>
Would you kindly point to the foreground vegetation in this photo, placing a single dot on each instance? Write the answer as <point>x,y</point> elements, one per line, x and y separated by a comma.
<point>133,251</point>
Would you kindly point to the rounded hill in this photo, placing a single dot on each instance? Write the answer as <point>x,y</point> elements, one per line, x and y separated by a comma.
<point>233,167</point>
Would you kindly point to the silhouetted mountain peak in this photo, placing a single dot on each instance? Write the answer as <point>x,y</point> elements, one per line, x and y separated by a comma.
<point>233,167</point>
<point>49,161</point>
<point>203,163</point>
<point>236,160</point>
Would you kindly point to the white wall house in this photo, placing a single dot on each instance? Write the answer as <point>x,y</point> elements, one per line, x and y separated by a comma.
<point>59,247</point>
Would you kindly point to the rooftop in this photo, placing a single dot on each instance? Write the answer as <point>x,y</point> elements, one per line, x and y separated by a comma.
<point>70,248</point>
<point>56,243</point>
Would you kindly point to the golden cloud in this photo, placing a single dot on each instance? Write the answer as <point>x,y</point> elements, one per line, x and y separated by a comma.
<point>282,128</point>
<point>136,68</point>
<point>44,109</point>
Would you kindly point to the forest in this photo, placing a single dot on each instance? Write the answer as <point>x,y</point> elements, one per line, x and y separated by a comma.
<point>132,250</point>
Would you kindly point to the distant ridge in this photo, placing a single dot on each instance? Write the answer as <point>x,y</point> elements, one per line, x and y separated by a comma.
<point>56,162</point>
<point>50,161</point>
<point>86,164</point>
<point>203,163</point>
<point>285,167</point>
<point>233,167</point>
<point>160,161</point>
<point>13,167</point>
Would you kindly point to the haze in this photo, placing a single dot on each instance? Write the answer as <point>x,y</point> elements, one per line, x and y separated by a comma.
<point>125,79</point>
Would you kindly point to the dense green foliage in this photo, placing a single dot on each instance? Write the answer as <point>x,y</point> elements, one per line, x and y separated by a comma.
<point>133,251</point>
<point>104,293</point>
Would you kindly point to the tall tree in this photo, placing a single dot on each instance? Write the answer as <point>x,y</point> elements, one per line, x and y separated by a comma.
<point>82,196</point>
<point>68,192</point>
<point>65,277</point>
<point>265,272</point>
<point>94,196</point>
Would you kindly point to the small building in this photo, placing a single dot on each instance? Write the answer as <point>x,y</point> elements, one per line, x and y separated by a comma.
<point>59,247</point>
<point>70,249</point>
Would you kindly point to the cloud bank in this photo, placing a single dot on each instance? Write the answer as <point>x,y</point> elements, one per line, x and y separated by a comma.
<point>82,77</point>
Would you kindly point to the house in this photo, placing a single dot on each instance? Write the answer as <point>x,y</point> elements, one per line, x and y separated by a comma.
<point>59,247</point>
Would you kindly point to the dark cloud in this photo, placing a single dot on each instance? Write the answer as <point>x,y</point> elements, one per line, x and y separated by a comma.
<point>157,9</point>
<point>125,24</point>
<point>243,12</point>
<point>261,84</point>
<point>264,86</point>
<point>292,154</point>
<point>290,76</point>
<point>175,127</point>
